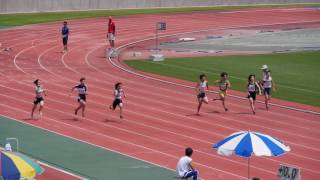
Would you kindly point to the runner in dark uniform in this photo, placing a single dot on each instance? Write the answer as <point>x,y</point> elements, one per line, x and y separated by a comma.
<point>82,96</point>
<point>252,87</point>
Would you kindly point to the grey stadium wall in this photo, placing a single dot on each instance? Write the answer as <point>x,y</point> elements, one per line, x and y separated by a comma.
<point>17,6</point>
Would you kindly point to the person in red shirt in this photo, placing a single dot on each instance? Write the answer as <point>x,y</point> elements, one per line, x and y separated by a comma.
<point>111,32</point>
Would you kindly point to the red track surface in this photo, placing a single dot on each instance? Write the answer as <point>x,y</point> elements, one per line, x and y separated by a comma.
<point>159,121</point>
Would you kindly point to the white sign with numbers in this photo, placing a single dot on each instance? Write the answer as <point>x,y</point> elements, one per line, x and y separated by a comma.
<point>288,173</point>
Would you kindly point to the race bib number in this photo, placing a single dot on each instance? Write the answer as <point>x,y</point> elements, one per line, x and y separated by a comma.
<point>288,173</point>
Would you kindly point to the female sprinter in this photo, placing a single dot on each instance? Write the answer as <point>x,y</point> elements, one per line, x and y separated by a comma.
<point>82,93</point>
<point>118,95</point>
<point>252,87</point>
<point>268,85</point>
<point>224,84</point>
<point>39,98</point>
<point>201,88</point>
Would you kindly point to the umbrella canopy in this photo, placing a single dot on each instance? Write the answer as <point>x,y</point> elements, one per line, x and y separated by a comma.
<point>246,143</point>
<point>15,166</point>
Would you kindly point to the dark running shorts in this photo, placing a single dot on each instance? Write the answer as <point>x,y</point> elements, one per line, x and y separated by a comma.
<point>201,95</point>
<point>82,97</point>
<point>267,91</point>
<point>252,95</point>
<point>65,40</point>
<point>38,100</point>
<point>116,103</point>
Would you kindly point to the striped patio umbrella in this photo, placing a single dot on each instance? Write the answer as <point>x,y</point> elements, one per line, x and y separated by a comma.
<point>246,144</point>
<point>14,166</point>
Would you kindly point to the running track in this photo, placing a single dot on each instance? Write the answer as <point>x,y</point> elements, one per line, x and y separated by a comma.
<point>159,118</point>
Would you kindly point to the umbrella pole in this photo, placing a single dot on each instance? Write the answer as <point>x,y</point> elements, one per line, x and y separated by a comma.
<point>249,168</point>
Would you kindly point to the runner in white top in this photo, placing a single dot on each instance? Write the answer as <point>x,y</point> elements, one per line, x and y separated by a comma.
<point>39,91</point>
<point>185,169</point>
<point>268,85</point>
<point>201,88</point>
<point>118,95</point>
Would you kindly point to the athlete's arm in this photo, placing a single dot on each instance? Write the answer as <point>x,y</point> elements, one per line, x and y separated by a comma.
<point>273,86</point>
<point>229,84</point>
<point>115,93</point>
<point>192,167</point>
<point>86,90</point>
<point>259,89</point>
<point>197,87</point>
<point>72,89</point>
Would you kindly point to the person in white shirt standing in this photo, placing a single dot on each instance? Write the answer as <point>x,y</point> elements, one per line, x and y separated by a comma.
<point>185,169</point>
<point>268,85</point>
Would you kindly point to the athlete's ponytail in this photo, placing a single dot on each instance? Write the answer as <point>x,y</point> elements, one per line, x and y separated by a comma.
<point>201,76</point>
<point>82,79</point>
<point>36,81</point>
<point>116,86</point>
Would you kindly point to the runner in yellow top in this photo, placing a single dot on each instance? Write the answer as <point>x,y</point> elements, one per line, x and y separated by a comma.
<point>224,84</point>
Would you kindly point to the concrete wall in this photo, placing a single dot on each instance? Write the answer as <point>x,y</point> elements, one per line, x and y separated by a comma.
<point>11,6</point>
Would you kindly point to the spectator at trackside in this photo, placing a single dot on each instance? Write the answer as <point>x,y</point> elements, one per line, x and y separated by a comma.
<point>185,168</point>
<point>264,69</point>
<point>111,32</point>
<point>65,36</point>
<point>7,147</point>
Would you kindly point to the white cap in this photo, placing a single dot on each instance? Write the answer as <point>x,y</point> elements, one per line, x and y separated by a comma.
<point>264,67</point>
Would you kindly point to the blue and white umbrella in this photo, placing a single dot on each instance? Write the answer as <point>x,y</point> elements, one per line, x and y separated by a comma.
<point>247,143</point>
